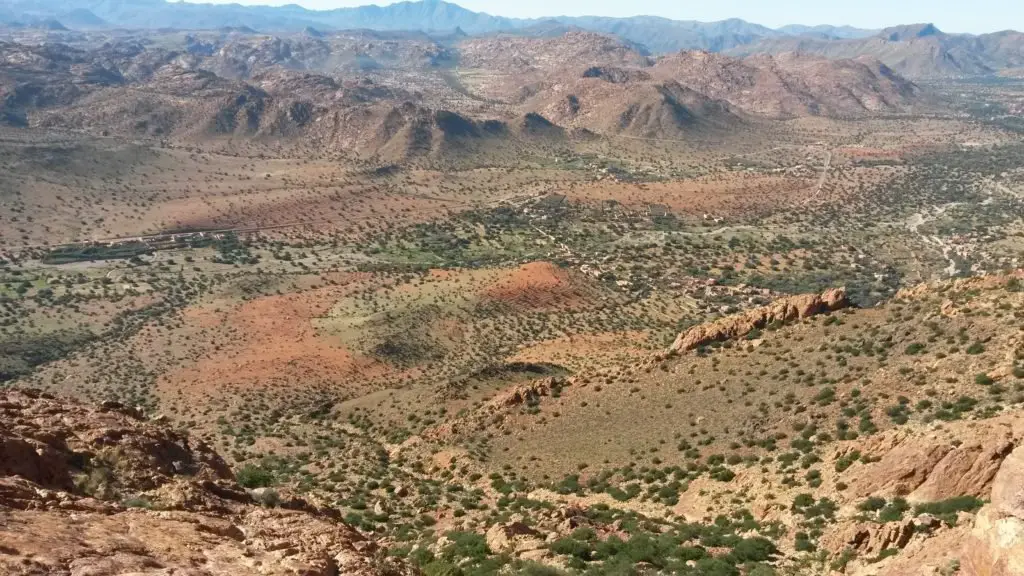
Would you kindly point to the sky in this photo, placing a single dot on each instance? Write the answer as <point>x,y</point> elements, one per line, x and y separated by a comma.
<point>973,16</point>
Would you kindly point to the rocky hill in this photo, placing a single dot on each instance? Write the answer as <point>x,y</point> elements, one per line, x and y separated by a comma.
<point>612,88</point>
<point>917,51</point>
<point>383,94</point>
<point>792,84</point>
<point>101,490</point>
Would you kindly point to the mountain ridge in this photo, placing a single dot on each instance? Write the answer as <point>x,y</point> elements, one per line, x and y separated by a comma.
<point>919,50</point>
<point>915,50</point>
<point>658,33</point>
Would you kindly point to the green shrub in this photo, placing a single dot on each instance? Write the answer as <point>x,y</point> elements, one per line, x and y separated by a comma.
<point>753,550</point>
<point>915,348</point>
<point>950,506</point>
<point>716,567</point>
<point>872,504</point>
<point>138,502</point>
<point>572,547</point>
<point>844,558</point>
<point>534,569</point>
<point>893,512</point>
<point>268,497</point>
<point>253,476</point>
<point>803,501</point>
<point>846,461</point>
<point>723,474</point>
<point>803,543</point>
<point>440,568</point>
<point>465,545</point>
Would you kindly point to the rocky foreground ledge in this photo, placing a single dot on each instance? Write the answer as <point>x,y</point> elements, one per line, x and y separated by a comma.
<point>100,491</point>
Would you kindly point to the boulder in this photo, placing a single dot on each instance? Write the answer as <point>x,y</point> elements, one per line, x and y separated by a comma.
<point>868,538</point>
<point>48,442</point>
<point>1008,486</point>
<point>506,537</point>
<point>933,468</point>
<point>995,546</point>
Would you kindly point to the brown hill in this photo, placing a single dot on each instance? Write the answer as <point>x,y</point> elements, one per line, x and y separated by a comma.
<point>409,131</point>
<point>627,102</point>
<point>920,51</point>
<point>400,97</point>
<point>699,92</point>
<point>791,84</point>
<point>524,55</point>
<point>585,80</point>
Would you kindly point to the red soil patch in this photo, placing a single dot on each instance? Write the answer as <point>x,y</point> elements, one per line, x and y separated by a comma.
<point>268,343</point>
<point>535,286</point>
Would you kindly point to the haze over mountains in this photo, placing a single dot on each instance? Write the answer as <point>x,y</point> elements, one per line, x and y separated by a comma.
<point>959,54</point>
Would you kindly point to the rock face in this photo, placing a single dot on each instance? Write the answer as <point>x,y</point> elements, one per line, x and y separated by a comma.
<point>968,469</point>
<point>868,538</point>
<point>53,445</point>
<point>996,543</point>
<point>934,467</point>
<point>781,311</point>
<point>100,491</point>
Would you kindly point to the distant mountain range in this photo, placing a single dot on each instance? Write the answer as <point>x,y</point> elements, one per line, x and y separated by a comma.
<point>406,95</point>
<point>660,35</point>
<point>919,50</point>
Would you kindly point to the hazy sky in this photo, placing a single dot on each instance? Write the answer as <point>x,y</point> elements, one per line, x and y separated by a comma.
<point>951,15</point>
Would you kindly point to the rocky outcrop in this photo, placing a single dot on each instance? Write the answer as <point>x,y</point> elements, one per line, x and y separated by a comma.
<point>967,470</point>
<point>105,448</point>
<point>529,393</point>
<point>902,470</point>
<point>503,404</point>
<point>513,537</point>
<point>782,311</point>
<point>961,461</point>
<point>101,491</point>
<point>995,546</point>
<point>868,538</point>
